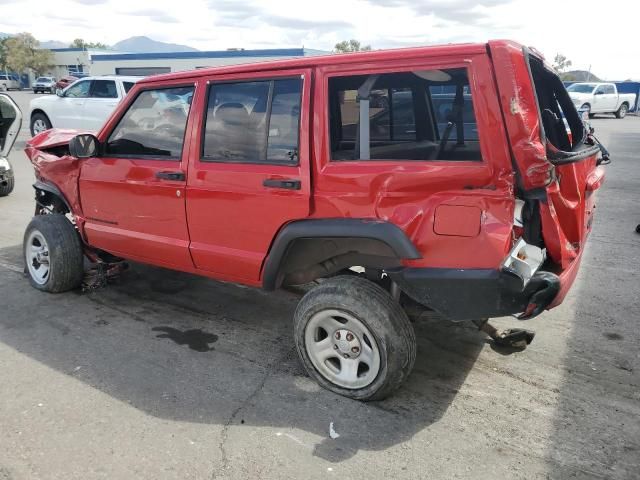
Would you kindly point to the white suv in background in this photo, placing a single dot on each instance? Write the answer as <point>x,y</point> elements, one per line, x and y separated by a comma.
<point>85,105</point>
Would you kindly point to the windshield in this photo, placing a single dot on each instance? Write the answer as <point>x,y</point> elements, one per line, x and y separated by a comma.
<point>43,79</point>
<point>581,87</point>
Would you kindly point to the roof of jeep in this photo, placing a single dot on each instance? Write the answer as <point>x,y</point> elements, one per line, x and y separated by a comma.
<point>322,60</point>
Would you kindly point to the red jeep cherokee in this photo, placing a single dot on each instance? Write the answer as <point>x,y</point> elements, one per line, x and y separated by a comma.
<point>442,177</point>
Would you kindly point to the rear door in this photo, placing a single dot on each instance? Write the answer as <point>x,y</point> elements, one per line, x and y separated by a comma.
<point>133,194</point>
<point>102,100</point>
<point>249,169</point>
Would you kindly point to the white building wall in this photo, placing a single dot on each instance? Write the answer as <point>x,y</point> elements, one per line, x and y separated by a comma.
<point>108,67</point>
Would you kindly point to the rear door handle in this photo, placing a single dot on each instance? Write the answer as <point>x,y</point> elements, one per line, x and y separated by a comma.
<point>288,184</point>
<point>174,176</point>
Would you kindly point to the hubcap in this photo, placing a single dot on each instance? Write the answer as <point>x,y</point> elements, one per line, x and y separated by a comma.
<point>342,349</point>
<point>39,126</point>
<point>37,257</point>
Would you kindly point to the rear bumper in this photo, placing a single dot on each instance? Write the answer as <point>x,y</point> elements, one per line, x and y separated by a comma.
<point>460,294</point>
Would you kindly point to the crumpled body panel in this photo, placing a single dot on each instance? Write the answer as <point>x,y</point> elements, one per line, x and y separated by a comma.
<point>61,171</point>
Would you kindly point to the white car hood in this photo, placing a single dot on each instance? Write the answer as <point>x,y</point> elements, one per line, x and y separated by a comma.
<point>43,102</point>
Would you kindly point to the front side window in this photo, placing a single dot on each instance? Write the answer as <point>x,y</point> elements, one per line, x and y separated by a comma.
<point>414,115</point>
<point>104,89</point>
<point>79,90</point>
<point>253,122</point>
<point>153,126</point>
<point>608,89</point>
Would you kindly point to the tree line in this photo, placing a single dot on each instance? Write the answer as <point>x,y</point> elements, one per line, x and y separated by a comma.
<point>22,51</point>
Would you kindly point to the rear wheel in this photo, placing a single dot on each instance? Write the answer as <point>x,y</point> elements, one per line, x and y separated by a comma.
<point>354,339</point>
<point>622,111</point>
<point>53,254</point>
<point>39,123</point>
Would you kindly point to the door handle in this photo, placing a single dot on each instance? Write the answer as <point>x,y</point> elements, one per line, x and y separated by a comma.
<point>174,176</point>
<point>288,184</point>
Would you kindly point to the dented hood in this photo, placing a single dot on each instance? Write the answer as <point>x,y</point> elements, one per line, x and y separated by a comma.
<point>53,138</point>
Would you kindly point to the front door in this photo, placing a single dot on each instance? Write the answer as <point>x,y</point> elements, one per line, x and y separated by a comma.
<point>68,110</point>
<point>133,194</point>
<point>250,173</point>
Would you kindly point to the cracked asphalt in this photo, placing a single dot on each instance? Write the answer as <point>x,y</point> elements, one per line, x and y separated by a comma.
<point>165,375</point>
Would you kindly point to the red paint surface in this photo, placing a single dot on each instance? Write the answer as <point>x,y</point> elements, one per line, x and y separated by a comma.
<point>224,221</point>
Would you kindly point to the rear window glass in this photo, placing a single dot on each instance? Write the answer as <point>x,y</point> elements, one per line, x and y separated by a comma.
<point>127,86</point>
<point>417,115</point>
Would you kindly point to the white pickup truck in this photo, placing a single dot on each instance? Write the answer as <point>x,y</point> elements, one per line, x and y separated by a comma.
<point>600,98</point>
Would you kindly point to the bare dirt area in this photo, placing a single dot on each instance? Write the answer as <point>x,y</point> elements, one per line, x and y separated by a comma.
<point>166,375</point>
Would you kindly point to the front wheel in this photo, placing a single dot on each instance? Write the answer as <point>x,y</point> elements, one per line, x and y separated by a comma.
<point>39,123</point>
<point>6,186</point>
<point>53,254</point>
<point>622,111</point>
<point>354,339</point>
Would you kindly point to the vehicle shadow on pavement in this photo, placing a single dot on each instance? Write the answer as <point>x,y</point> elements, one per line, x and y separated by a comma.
<point>186,348</point>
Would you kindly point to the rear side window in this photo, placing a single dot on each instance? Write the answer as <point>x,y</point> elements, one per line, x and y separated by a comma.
<point>153,126</point>
<point>104,89</point>
<point>127,86</point>
<point>415,115</point>
<point>253,122</point>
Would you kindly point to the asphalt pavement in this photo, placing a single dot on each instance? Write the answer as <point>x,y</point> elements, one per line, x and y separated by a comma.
<point>166,375</point>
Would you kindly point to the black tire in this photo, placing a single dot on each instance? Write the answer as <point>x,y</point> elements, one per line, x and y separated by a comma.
<point>622,111</point>
<point>6,188</point>
<point>383,317</point>
<point>66,259</point>
<point>39,116</point>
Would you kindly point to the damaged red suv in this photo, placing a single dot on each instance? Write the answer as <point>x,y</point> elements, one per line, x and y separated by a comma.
<point>439,178</point>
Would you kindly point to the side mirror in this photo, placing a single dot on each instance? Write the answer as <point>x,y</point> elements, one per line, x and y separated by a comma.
<point>59,92</point>
<point>84,146</point>
<point>10,123</point>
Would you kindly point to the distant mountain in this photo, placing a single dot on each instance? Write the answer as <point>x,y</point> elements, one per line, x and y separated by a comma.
<point>579,76</point>
<point>54,44</point>
<point>147,45</point>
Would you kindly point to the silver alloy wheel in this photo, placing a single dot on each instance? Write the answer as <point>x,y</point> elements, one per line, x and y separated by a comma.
<point>37,257</point>
<point>342,349</point>
<point>623,111</point>
<point>39,126</point>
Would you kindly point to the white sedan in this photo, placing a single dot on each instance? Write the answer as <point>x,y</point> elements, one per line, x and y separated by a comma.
<point>84,105</point>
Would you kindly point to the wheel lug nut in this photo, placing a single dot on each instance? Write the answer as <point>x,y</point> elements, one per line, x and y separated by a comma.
<point>337,335</point>
<point>355,349</point>
<point>346,355</point>
<point>349,337</point>
<point>335,347</point>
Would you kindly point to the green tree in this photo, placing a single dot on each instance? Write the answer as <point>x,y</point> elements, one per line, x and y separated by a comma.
<point>352,45</point>
<point>3,54</point>
<point>561,63</point>
<point>22,52</point>
<point>80,43</point>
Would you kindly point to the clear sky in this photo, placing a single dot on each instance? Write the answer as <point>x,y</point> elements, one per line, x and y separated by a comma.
<point>603,34</point>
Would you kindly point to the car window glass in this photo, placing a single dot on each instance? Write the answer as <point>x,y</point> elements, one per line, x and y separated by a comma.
<point>127,86</point>
<point>253,122</point>
<point>153,125</point>
<point>79,90</point>
<point>414,115</point>
<point>609,89</point>
<point>284,121</point>
<point>104,89</point>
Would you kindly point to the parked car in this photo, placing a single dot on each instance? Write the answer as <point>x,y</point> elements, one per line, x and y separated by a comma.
<point>65,81</point>
<point>255,174</point>
<point>44,84</point>
<point>8,82</point>
<point>10,123</point>
<point>601,98</point>
<point>85,104</point>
